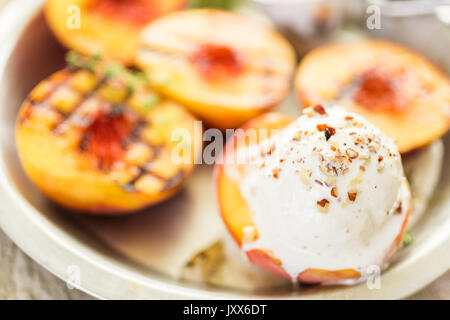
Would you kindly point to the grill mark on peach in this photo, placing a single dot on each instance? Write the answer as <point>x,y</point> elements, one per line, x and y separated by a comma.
<point>84,142</point>
<point>44,101</point>
<point>84,98</point>
<point>130,186</point>
<point>347,91</point>
<point>133,134</point>
<point>174,181</point>
<point>268,75</point>
<point>266,78</point>
<point>55,86</point>
<point>105,136</point>
<point>181,55</point>
<point>25,114</point>
<point>168,52</point>
<point>169,183</point>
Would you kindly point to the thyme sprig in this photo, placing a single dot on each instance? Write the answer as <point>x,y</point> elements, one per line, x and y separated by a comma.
<point>110,70</point>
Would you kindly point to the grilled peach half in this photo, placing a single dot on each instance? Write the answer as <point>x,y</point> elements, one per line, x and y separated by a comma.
<point>223,66</point>
<point>237,215</point>
<point>396,89</point>
<point>109,26</point>
<point>96,143</point>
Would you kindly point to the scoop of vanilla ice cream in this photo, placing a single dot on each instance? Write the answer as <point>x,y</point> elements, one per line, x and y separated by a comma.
<point>326,192</point>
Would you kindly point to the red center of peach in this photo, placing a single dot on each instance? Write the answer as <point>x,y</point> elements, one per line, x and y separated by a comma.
<point>215,61</point>
<point>377,92</point>
<point>106,136</point>
<point>138,12</point>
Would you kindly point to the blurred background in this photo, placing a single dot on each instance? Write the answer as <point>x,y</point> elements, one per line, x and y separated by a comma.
<point>307,24</point>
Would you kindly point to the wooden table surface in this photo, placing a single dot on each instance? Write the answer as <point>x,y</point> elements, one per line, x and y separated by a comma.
<point>22,278</point>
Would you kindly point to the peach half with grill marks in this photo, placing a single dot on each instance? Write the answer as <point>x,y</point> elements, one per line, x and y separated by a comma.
<point>102,143</point>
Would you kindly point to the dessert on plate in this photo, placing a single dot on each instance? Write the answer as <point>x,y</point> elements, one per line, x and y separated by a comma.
<point>201,250</point>
<point>320,201</point>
